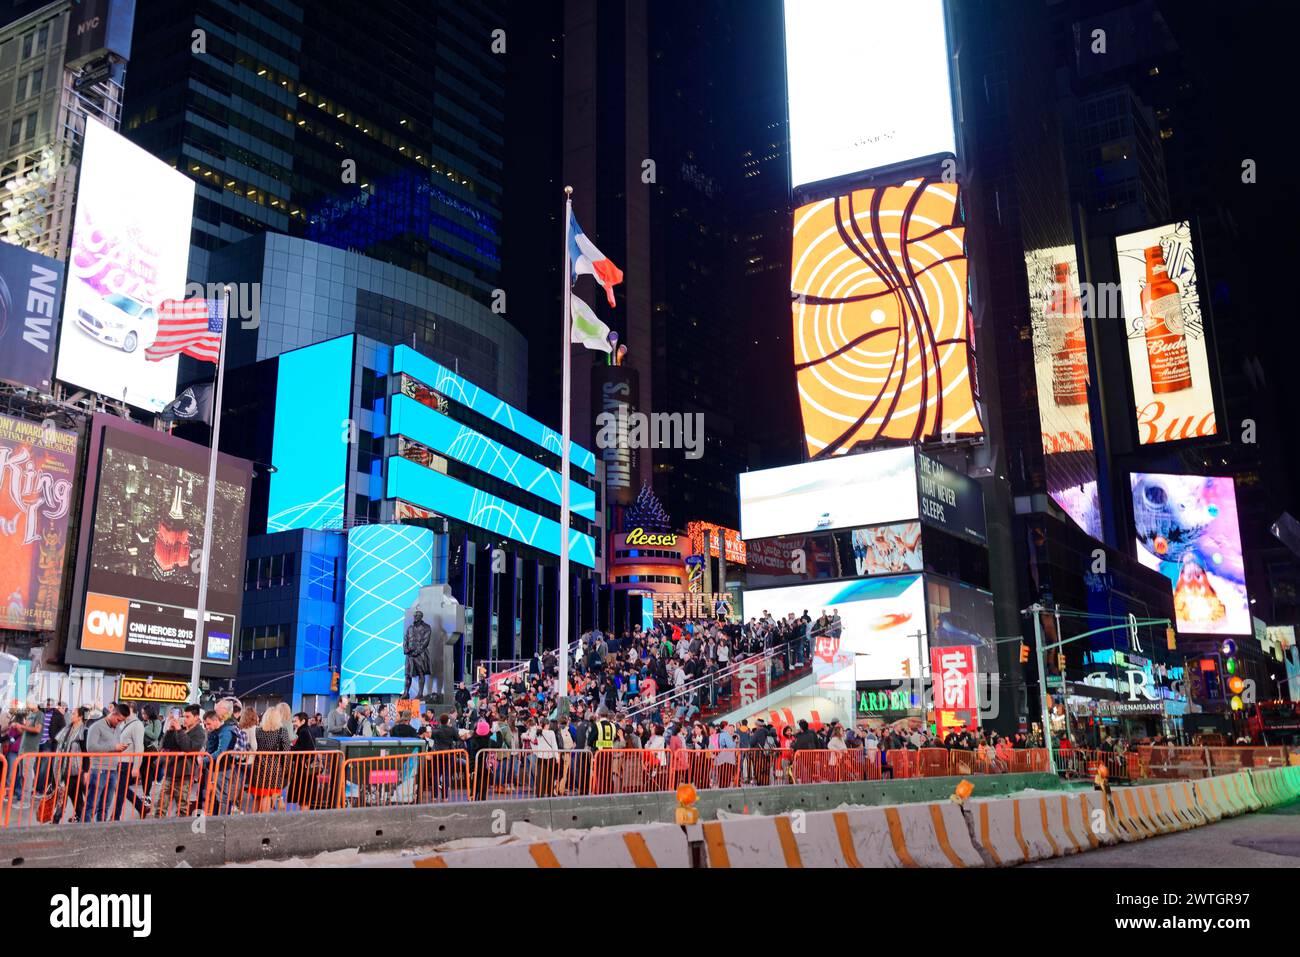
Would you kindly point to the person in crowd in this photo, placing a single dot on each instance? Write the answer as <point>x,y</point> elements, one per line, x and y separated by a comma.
<point>29,742</point>
<point>130,734</point>
<point>546,752</point>
<point>70,744</point>
<point>102,740</point>
<point>267,778</point>
<point>224,738</point>
<point>336,725</point>
<point>402,727</point>
<point>182,742</point>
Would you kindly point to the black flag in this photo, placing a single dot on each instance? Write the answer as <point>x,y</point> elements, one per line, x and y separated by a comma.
<point>192,405</point>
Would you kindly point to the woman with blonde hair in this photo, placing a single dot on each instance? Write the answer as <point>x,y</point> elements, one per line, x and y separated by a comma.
<point>267,780</point>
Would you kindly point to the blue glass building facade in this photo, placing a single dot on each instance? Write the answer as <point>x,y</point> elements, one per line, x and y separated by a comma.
<point>291,633</point>
<point>310,292</point>
<point>376,446</point>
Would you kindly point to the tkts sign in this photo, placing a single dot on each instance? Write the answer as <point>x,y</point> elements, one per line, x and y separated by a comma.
<point>953,670</point>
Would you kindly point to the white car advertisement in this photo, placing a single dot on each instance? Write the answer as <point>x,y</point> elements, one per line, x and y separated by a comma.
<point>130,252</point>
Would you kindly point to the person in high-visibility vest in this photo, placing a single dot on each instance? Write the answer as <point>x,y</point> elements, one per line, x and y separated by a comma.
<point>605,730</point>
<point>603,743</point>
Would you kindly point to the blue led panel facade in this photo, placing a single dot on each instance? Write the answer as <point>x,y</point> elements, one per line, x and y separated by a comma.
<point>406,359</point>
<point>387,567</point>
<point>313,401</point>
<point>448,437</point>
<point>431,489</point>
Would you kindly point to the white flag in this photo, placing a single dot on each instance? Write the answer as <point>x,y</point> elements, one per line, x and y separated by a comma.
<point>585,328</point>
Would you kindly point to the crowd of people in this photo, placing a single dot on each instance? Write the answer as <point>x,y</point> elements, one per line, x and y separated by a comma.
<point>165,759</point>
<point>660,690</point>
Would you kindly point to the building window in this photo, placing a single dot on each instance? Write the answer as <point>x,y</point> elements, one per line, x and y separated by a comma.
<point>29,85</point>
<point>27,45</point>
<point>15,133</point>
<point>42,38</point>
<point>269,571</point>
<point>322,572</point>
<point>262,641</point>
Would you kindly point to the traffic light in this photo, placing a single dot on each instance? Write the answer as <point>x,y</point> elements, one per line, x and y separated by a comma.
<point>907,667</point>
<point>334,681</point>
<point>1060,662</point>
<point>1231,667</point>
<point>1024,653</point>
<point>1171,638</point>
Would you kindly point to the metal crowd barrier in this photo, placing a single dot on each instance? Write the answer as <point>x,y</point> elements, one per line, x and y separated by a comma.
<point>419,777</point>
<point>39,789</point>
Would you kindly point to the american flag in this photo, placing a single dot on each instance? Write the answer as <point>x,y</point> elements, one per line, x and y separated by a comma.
<point>191,326</point>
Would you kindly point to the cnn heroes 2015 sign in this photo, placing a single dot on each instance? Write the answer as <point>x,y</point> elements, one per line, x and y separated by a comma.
<point>868,85</point>
<point>136,597</point>
<point>1169,360</point>
<point>854,491</point>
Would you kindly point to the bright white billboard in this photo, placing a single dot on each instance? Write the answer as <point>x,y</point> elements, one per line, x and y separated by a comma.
<point>867,83</point>
<point>1169,362</point>
<point>881,618</point>
<point>849,491</point>
<point>130,250</point>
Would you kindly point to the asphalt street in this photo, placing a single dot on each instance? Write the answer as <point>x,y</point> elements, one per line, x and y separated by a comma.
<point>1262,839</point>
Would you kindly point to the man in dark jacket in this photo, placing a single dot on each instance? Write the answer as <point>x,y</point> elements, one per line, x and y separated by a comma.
<point>806,739</point>
<point>402,728</point>
<point>444,737</point>
<point>182,735</point>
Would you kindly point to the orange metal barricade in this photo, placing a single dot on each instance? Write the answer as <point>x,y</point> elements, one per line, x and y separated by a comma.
<point>1229,759</point>
<point>758,767</point>
<point>59,787</point>
<point>639,771</point>
<point>827,766</point>
<point>413,777</point>
<point>1167,761</point>
<point>501,773</point>
<point>902,763</point>
<point>962,762</point>
<point>1084,763</point>
<point>933,762</point>
<point>257,782</point>
<point>1029,759</point>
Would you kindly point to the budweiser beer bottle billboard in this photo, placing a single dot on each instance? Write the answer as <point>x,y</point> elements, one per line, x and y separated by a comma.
<point>1070,358</point>
<point>1162,313</point>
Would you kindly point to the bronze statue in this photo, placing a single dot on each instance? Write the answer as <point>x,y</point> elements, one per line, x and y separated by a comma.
<point>416,648</point>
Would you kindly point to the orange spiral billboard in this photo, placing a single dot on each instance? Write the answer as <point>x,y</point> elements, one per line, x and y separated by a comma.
<point>881,320</point>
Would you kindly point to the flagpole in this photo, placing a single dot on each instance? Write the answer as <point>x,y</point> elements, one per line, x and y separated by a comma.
<point>200,625</point>
<point>566,351</point>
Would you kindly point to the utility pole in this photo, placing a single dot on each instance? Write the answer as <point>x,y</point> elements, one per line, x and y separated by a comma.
<point>1036,609</point>
<point>920,674</point>
<point>1065,691</point>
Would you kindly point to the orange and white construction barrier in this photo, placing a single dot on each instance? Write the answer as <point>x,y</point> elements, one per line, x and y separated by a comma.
<point>648,846</point>
<point>911,835</point>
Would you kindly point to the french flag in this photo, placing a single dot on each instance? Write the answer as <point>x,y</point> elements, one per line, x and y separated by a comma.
<point>584,257</point>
